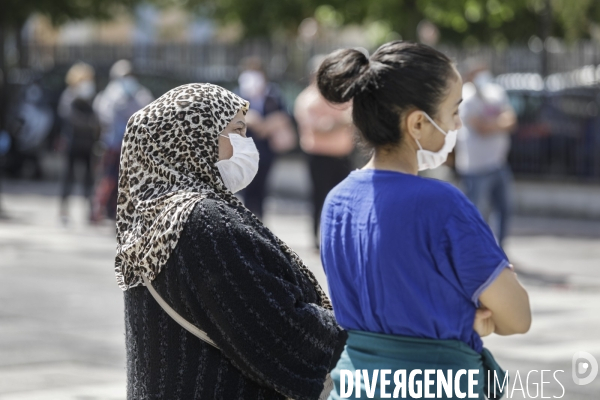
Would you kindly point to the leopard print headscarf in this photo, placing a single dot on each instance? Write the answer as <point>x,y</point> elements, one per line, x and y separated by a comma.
<point>167,165</point>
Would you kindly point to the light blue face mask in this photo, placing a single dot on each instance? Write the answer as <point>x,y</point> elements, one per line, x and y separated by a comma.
<point>130,85</point>
<point>429,159</point>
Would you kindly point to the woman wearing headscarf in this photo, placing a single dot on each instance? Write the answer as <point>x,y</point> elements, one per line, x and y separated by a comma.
<point>213,262</point>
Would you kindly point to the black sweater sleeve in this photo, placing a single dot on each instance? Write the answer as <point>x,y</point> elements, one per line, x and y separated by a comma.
<point>234,283</point>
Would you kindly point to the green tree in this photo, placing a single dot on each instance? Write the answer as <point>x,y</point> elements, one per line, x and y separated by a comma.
<point>495,22</point>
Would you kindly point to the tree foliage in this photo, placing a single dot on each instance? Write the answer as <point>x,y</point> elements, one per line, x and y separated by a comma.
<point>496,22</point>
<point>14,12</point>
<point>460,21</point>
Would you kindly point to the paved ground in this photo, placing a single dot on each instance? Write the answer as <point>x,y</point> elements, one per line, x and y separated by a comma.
<point>61,320</point>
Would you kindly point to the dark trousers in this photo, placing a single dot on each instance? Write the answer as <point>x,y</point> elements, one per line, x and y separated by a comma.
<point>73,158</point>
<point>105,199</point>
<point>491,194</point>
<point>325,173</point>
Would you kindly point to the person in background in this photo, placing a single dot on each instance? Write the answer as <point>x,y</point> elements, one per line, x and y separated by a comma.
<point>80,129</point>
<point>269,125</point>
<point>326,136</point>
<point>122,97</point>
<point>483,146</point>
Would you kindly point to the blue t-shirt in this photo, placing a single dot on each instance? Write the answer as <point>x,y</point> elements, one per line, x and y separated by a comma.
<point>406,255</point>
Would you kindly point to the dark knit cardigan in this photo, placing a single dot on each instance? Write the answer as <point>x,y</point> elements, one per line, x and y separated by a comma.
<point>233,282</point>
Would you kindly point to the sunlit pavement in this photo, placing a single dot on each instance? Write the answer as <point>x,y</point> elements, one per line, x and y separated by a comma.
<point>61,314</point>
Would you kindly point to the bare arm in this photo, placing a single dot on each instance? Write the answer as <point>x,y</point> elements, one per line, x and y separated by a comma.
<point>509,303</point>
<point>256,122</point>
<point>505,122</point>
<point>278,122</point>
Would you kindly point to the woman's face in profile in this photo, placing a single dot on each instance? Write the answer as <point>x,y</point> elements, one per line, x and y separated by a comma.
<point>447,116</point>
<point>236,126</point>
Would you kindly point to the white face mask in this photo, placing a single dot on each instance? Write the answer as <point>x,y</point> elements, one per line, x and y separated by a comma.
<point>238,171</point>
<point>429,159</point>
<point>252,83</point>
<point>482,79</point>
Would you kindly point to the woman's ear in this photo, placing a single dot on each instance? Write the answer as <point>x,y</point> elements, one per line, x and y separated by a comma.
<point>414,124</point>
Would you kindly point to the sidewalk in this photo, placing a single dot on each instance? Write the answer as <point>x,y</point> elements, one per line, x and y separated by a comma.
<point>558,199</point>
<point>61,324</point>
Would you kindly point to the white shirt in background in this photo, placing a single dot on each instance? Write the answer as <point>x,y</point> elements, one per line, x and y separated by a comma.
<point>476,153</point>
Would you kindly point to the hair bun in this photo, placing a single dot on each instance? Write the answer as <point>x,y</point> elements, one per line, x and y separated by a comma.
<point>343,75</point>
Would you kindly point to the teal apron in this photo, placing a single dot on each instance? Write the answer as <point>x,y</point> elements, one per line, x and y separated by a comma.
<point>375,351</point>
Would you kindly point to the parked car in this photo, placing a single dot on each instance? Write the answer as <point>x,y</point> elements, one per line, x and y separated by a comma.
<point>558,132</point>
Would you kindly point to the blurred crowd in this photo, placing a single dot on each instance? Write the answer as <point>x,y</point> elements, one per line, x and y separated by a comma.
<point>92,125</point>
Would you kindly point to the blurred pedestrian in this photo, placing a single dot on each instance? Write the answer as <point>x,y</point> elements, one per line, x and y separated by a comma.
<point>80,130</point>
<point>269,124</point>
<point>414,272</point>
<point>30,121</point>
<point>483,146</point>
<point>271,331</point>
<point>326,136</point>
<point>121,98</point>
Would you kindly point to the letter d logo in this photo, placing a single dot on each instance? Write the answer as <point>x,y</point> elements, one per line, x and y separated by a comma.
<point>581,368</point>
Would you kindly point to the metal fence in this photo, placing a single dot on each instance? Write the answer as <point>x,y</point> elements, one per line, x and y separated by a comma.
<point>217,62</point>
<point>211,62</point>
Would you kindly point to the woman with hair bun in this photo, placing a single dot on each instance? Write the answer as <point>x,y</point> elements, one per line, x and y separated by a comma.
<point>415,274</point>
